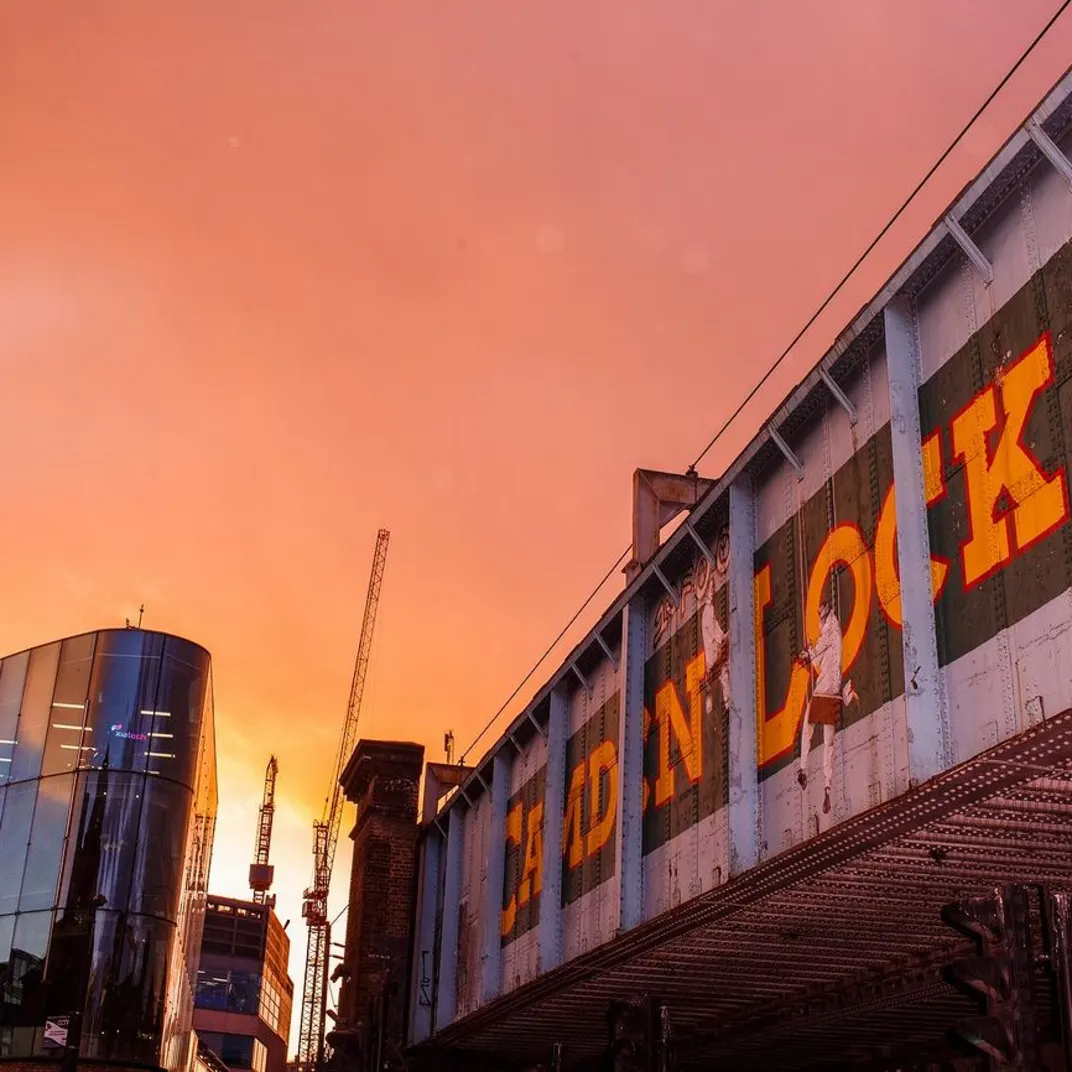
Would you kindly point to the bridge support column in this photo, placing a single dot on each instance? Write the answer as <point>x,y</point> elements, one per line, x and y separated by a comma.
<point>629,844</point>
<point>743,753</point>
<point>928,739</point>
<point>553,809</point>
<point>446,996</point>
<point>491,959</point>
<point>423,969</point>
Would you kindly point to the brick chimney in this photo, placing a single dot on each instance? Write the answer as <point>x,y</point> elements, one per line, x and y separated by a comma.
<point>382,779</point>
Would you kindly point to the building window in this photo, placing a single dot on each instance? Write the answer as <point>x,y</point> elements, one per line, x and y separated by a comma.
<point>211,990</point>
<point>228,991</point>
<point>237,1051</point>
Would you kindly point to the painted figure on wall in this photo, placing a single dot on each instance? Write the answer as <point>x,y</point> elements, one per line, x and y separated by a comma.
<point>716,652</point>
<point>829,695</point>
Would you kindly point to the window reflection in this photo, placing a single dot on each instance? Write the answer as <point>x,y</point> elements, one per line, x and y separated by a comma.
<point>179,703</point>
<point>122,698</point>
<point>12,679</point>
<point>66,743</point>
<point>127,989</point>
<point>46,842</point>
<point>22,1012</point>
<point>14,836</point>
<point>103,840</point>
<point>33,718</point>
<point>161,843</point>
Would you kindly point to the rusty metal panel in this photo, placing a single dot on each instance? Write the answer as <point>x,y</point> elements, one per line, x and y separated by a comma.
<point>589,827</point>
<point>824,550</point>
<point>523,878</point>
<point>471,904</point>
<point>686,682</point>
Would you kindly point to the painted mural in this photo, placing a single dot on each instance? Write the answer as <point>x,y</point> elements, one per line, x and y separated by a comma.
<point>994,446</point>
<point>686,695</point>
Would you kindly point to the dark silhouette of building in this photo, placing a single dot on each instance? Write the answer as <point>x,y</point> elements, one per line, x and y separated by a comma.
<point>107,813</point>
<point>382,778</point>
<point>244,994</point>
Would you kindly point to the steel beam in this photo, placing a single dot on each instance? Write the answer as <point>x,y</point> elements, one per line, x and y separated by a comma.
<point>704,549</point>
<point>670,589</point>
<point>606,649</point>
<point>928,737</point>
<point>840,397</point>
<point>446,1003</point>
<point>554,800</point>
<point>743,754</point>
<point>491,960</point>
<point>971,250</point>
<point>787,451</point>
<point>422,981</point>
<point>580,677</point>
<point>1050,149</point>
<point>629,843</point>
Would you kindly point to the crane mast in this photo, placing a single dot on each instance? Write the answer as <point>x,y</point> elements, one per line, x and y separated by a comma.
<point>326,836</point>
<point>261,871</point>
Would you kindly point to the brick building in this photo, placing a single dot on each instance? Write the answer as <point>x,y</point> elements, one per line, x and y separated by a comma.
<point>382,779</point>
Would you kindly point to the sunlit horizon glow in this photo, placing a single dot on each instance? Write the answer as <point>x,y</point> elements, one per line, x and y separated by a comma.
<point>274,279</point>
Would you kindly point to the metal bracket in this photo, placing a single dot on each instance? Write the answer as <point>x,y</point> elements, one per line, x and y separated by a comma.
<point>480,779</point>
<point>439,827</point>
<point>513,741</point>
<point>1049,149</point>
<point>606,648</point>
<point>464,795</point>
<point>539,729</point>
<point>580,677</point>
<point>971,250</point>
<point>786,450</point>
<point>665,583</point>
<point>840,397</point>
<point>704,549</point>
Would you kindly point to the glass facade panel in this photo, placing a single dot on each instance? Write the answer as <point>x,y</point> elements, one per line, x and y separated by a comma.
<point>14,839</point>
<point>34,714</point>
<point>127,988</point>
<point>103,841</point>
<point>22,1013</point>
<point>160,849</point>
<point>64,745</point>
<point>179,704</point>
<point>47,835</point>
<point>12,679</point>
<point>122,697</point>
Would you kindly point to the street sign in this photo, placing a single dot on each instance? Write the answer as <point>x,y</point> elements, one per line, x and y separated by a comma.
<point>56,1030</point>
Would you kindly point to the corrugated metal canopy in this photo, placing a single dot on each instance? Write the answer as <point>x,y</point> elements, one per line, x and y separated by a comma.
<point>831,950</point>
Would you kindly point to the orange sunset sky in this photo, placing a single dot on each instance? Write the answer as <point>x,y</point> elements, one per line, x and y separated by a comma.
<point>276,274</point>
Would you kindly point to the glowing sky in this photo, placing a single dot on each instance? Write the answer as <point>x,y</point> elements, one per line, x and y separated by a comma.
<point>273,275</point>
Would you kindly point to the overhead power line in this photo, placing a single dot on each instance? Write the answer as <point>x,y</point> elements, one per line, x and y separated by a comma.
<point>1023,57</point>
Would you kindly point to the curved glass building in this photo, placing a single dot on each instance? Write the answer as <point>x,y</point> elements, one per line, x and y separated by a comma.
<point>107,811</point>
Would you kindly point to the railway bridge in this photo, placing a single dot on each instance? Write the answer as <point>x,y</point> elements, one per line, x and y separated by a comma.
<point>836,701</point>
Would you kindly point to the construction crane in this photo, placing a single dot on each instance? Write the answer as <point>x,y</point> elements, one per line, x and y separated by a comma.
<point>326,836</point>
<point>261,871</point>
